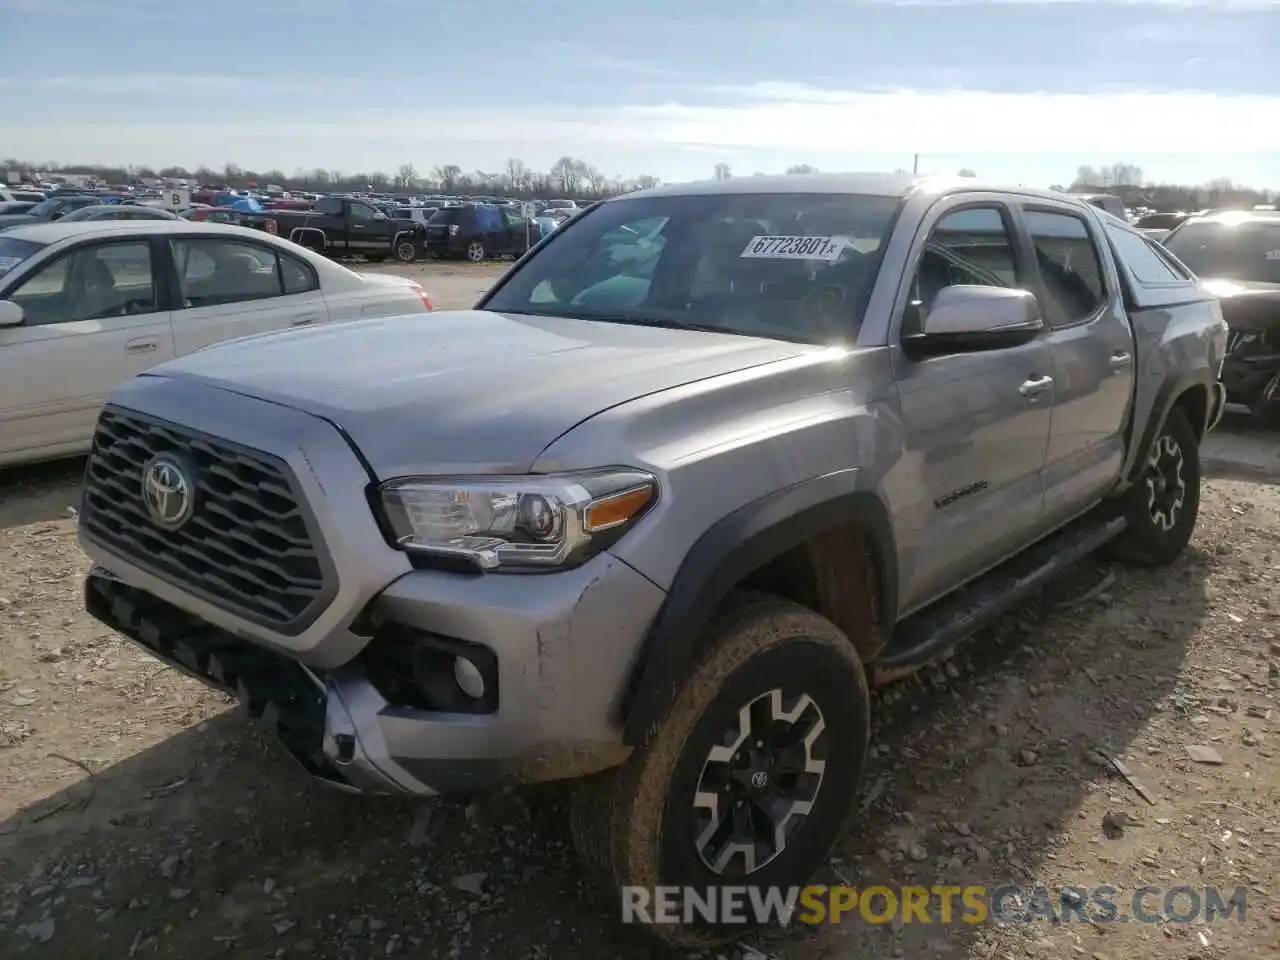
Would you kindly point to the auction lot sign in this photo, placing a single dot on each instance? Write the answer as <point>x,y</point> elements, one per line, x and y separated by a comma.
<point>942,905</point>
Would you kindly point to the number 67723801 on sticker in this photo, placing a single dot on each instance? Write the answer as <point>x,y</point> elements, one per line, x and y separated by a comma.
<point>794,248</point>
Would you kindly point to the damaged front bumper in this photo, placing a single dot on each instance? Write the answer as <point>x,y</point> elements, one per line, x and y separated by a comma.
<point>391,720</point>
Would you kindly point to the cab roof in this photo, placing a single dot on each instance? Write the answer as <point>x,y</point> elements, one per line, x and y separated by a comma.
<point>867,184</point>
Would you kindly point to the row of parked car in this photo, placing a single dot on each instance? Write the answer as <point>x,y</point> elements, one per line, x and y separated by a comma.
<point>337,226</point>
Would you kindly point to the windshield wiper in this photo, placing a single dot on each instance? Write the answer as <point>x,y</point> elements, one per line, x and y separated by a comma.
<point>666,323</point>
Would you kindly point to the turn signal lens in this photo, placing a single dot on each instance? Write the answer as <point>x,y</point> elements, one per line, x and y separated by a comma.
<point>609,512</point>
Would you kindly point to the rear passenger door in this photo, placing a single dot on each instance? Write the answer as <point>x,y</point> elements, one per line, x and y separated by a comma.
<point>231,288</point>
<point>1092,356</point>
<point>976,432</point>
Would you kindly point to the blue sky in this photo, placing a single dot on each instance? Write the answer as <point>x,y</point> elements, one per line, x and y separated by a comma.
<point>1024,91</point>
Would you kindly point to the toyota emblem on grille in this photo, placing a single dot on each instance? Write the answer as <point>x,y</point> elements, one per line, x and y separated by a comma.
<point>168,492</point>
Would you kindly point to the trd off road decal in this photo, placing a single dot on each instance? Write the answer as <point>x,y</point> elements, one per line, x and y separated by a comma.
<point>793,248</point>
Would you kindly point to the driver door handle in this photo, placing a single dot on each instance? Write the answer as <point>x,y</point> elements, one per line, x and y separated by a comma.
<point>1120,360</point>
<point>1031,389</point>
<point>142,345</point>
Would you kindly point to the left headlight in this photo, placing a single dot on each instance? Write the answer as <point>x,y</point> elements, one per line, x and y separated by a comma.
<point>534,522</point>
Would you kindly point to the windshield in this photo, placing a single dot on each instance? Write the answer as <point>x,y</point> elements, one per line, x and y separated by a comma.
<point>789,266</point>
<point>1239,250</point>
<point>13,252</point>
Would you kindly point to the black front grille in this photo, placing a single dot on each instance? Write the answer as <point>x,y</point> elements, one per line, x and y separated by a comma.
<point>248,546</point>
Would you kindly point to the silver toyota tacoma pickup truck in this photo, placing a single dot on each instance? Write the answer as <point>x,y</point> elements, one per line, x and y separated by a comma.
<point>701,468</point>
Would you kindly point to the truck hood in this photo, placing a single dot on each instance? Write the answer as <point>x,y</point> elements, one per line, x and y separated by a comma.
<point>466,391</point>
<point>1248,306</point>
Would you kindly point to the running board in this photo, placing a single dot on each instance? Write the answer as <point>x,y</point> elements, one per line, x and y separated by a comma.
<point>926,635</point>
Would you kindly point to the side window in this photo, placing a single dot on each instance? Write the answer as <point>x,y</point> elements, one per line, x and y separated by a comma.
<point>362,212</point>
<point>1141,259</point>
<point>513,220</point>
<point>1069,266</point>
<point>96,282</point>
<point>971,247</point>
<point>298,276</point>
<point>214,272</point>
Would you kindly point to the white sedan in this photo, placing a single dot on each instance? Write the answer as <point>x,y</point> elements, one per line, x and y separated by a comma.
<point>86,306</point>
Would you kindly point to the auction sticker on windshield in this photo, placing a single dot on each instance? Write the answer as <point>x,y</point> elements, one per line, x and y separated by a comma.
<point>793,248</point>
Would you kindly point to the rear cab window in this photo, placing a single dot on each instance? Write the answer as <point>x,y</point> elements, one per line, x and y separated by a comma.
<point>1140,258</point>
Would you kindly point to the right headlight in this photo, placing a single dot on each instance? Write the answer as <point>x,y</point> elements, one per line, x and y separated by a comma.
<point>516,523</point>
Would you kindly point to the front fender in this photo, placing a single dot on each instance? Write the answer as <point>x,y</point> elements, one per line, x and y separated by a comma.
<point>725,554</point>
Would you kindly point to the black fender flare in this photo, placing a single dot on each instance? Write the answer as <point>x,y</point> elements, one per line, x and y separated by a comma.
<point>1171,391</point>
<point>401,234</point>
<point>729,550</point>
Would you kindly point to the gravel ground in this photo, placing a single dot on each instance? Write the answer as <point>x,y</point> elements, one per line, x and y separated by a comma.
<point>140,816</point>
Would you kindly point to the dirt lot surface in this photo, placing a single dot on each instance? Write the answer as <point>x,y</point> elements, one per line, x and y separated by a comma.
<point>453,286</point>
<point>141,817</point>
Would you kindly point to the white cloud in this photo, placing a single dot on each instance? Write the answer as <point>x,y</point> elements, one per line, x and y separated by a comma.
<point>766,118</point>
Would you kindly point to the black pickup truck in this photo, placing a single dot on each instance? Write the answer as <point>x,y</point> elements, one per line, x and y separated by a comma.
<point>344,227</point>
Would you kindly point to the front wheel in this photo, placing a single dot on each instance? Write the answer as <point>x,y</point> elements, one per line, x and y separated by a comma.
<point>406,251</point>
<point>749,780</point>
<point>1162,506</point>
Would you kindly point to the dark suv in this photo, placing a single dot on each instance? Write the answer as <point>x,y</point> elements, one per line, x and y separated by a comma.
<point>479,231</point>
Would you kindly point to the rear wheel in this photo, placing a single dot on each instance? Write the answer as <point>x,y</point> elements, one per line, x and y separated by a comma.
<point>476,251</point>
<point>750,778</point>
<point>406,251</point>
<point>1162,507</point>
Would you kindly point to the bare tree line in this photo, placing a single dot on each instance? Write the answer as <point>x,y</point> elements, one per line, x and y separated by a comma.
<point>568,177</point>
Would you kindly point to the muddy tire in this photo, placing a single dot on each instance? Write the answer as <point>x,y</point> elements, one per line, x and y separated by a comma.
<point>1162,506</point>
<point>476,251</point>
<point>406,251</point>
<point>766,742</point>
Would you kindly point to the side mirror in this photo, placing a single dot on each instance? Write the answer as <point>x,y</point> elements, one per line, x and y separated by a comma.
<point>57,215</point>
<point>380,216</point>
<point>11,314</point>
<point>969,318</point>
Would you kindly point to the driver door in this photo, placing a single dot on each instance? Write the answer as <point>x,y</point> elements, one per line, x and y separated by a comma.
<point>92,321</point>
<point>976,424</point>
